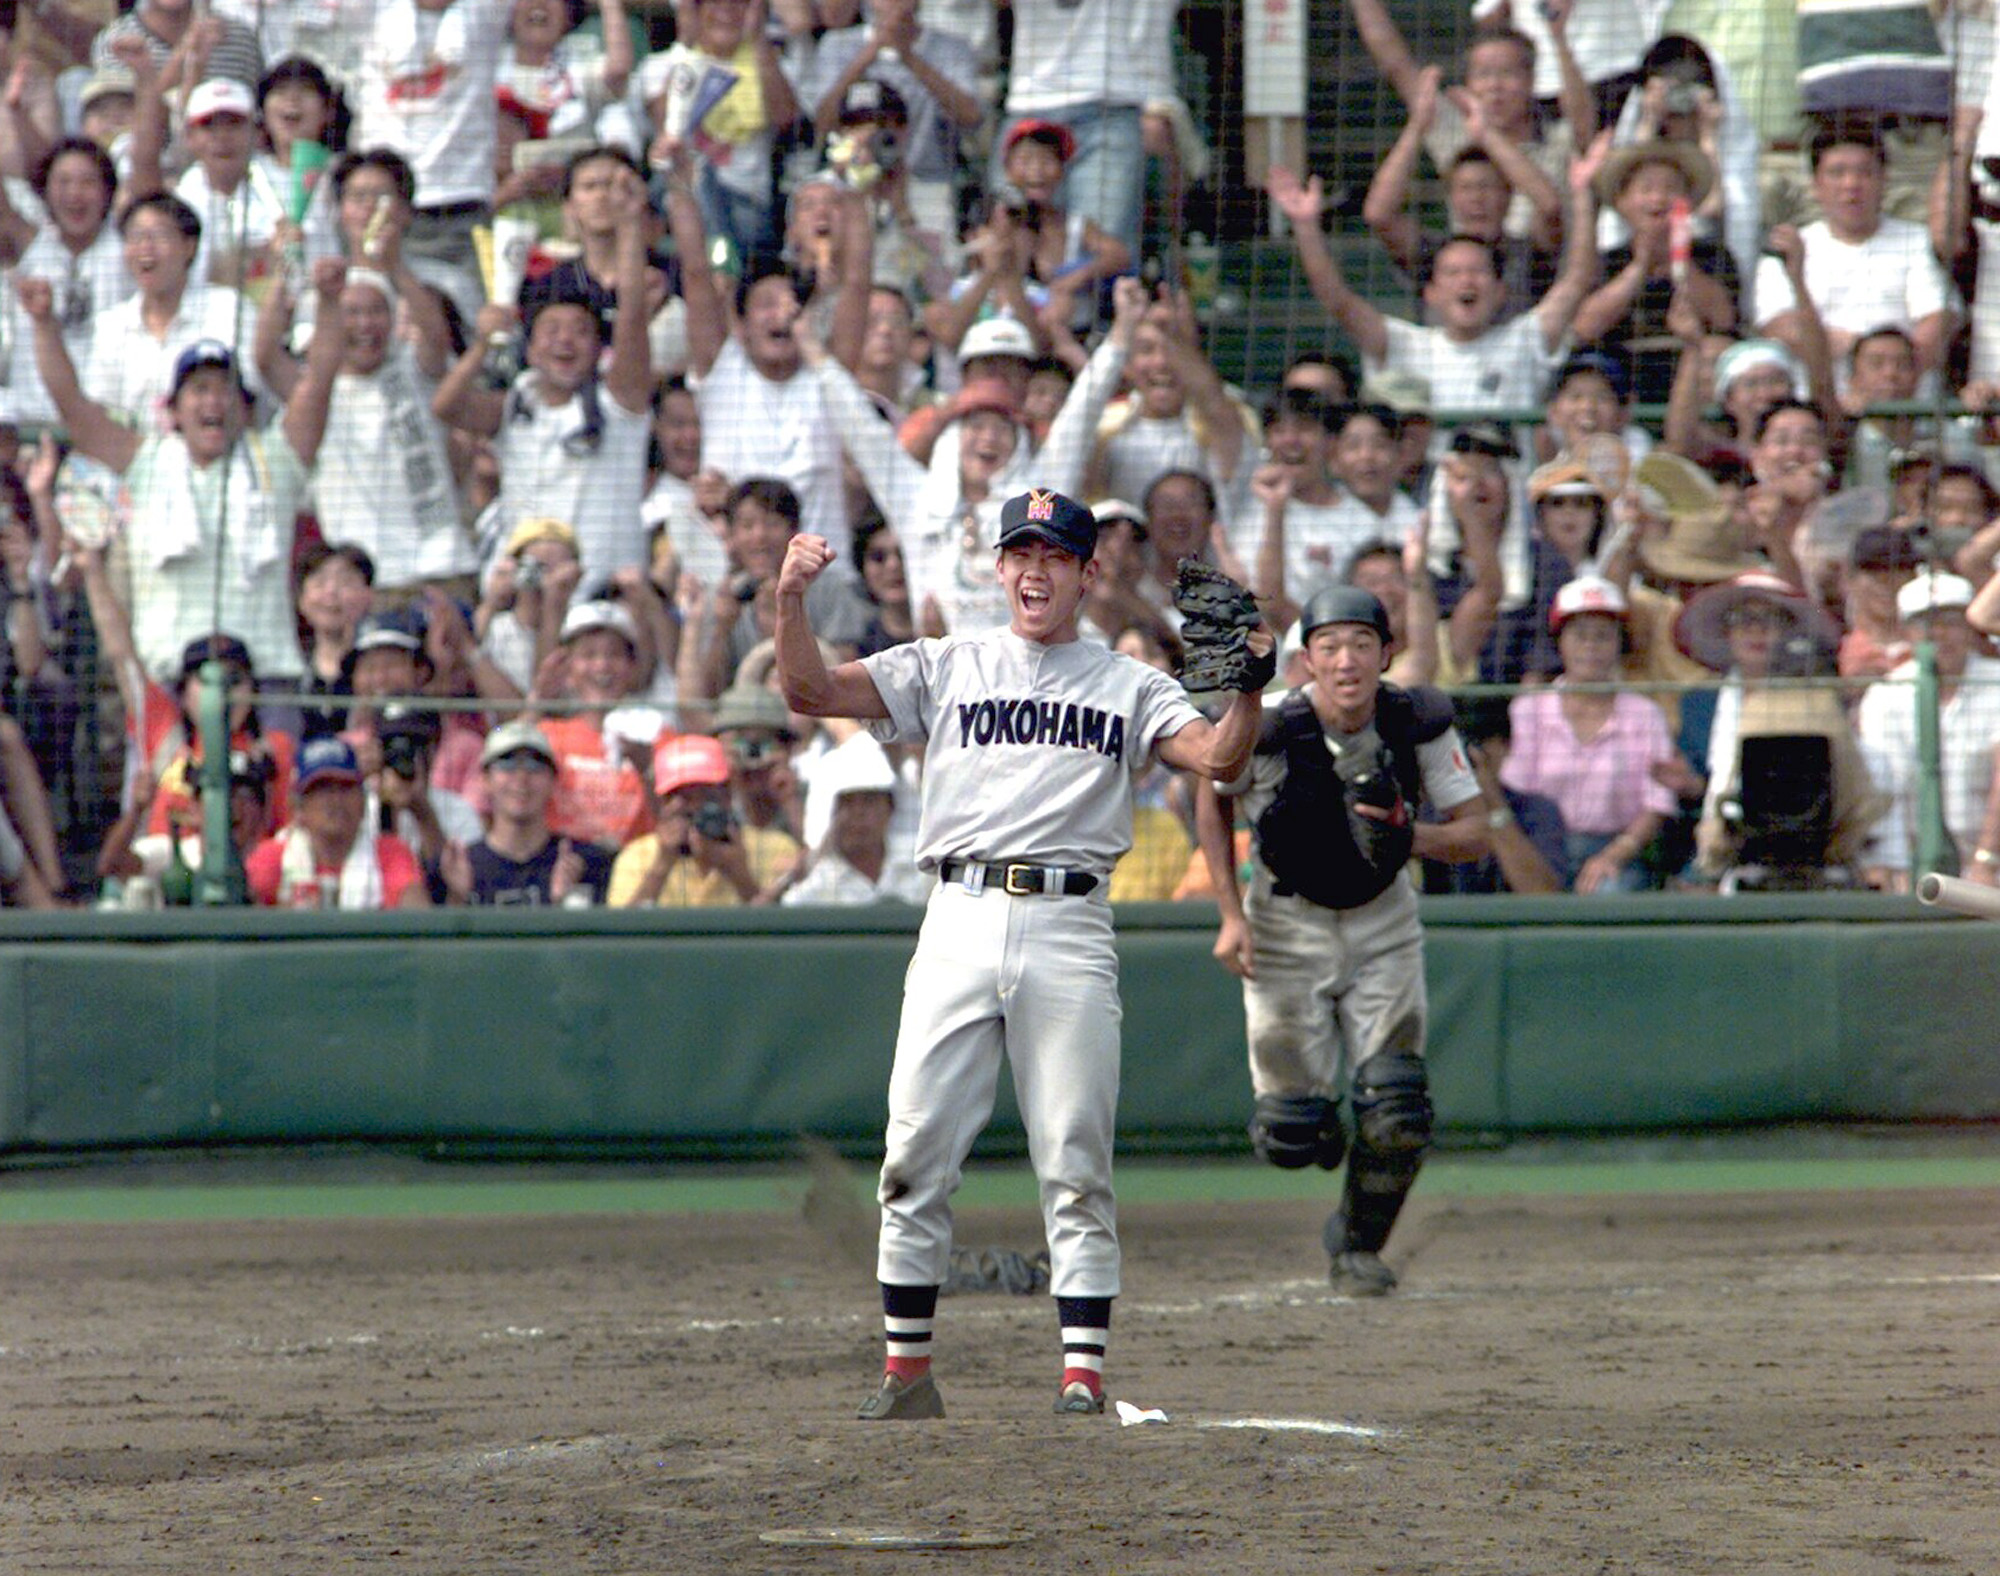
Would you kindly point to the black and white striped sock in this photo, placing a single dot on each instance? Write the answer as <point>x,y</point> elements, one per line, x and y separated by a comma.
<point>908,1312</point>
<point>1086,1332</point>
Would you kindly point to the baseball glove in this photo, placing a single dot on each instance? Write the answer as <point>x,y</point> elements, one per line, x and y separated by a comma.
<point>1217,616</point>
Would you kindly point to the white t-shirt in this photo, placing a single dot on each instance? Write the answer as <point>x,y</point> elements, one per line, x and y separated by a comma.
<point>1069,53</point>
<point>130,370</point>
<point>234,229</point>
<point>570,89</point>
<point>545,469</point>
<point>211,548</point>
<point>383,480</point>
<point>670,507</point>
<point>426,90</point>
<point>330,32</point>
<point>85,284</point>
<point>1031,751</point>
<point>1890,278</point>
<point>1506,368</point>
<point>752,426</point>
<point>1320,539</point>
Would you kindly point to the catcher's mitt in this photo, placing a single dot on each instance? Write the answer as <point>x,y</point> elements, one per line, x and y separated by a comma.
<point>1217,616</point>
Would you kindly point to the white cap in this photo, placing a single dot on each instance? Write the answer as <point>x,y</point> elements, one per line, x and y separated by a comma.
<point>1586,594</point>
<point>997,336</point>
<point>1933,594</point>
<point>586,616</point>
<point>220,96</point>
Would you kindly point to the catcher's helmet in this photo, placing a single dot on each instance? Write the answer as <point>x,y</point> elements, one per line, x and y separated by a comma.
<point>1343,605</point>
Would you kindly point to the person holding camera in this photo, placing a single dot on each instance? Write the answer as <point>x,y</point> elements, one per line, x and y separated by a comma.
<point>401,796</point>
<point>936,75</point>
<point>525,597</point>
<point>865,155</point>
<point>698,855</point>
<point>756,728</point>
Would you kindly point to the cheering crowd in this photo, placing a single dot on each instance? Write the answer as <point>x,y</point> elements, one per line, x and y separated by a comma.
<point>453,373</point>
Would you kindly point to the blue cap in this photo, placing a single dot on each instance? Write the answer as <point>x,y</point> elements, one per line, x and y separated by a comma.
<point>1059,521</point>
<point>328,759</point>
<point>1609,364</point>
<point>202,353</point>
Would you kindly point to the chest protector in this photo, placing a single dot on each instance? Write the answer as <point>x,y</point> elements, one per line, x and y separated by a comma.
<point>1306,837</point>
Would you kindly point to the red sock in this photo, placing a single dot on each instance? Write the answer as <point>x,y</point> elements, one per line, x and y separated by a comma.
<point>1089,1377</point>
<point>907,1369</point>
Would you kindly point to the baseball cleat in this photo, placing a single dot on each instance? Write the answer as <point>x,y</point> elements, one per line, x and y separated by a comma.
<point>903,1400</point>
<point>1358,1274</point>
<point>1079,1398</point>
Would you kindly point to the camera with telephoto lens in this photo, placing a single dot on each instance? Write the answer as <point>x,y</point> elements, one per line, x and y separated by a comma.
<point>714,820</point>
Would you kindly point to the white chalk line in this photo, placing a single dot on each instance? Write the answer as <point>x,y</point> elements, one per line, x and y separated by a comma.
<point>1294,1425</point>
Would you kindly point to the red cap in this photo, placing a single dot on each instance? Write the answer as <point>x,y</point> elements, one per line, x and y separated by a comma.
<point>1059,137</point>
<point>689,760</point>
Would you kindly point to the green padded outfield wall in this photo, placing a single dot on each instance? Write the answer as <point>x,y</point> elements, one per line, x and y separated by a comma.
<point>726,1031</point>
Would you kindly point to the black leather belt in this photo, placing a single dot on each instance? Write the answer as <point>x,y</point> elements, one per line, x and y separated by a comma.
<point>1022,880</point>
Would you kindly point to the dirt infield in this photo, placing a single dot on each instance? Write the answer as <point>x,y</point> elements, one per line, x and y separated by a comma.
<point>1742,1383</point>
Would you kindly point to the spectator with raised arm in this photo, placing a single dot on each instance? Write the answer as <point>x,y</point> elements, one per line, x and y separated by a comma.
<point>1479,185</point>
<point>571,438</point>
<point>182,33</point>
<point>76,249</point>
<point>946,515</point>
<point>1652,186</point>
<point>426,90</point>
<point>1075,65</point>
<point>1176,415</point>
<point>762,412</point>
<point>936,74</point>
<point>1338,491</point>
<point>135,343</point>
<point>556,75</point>
<point>383,482</point>
<point>1471,360</point>
<point>729,155</point>
<point>214,501</point>
<point>1498,92</point>
<point>593,188</point>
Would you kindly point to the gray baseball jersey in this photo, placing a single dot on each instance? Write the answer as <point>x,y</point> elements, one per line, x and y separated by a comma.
<point>1031,750</point>
<point>1030,754</point>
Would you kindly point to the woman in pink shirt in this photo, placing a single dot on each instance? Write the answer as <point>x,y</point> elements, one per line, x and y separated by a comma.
<point>1595,754</point>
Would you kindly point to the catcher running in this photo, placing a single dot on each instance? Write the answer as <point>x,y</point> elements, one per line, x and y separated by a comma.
<point>1032,740</point>
<point>1327,942</point>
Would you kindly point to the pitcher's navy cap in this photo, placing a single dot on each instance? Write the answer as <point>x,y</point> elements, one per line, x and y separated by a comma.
<point>1059,521</point>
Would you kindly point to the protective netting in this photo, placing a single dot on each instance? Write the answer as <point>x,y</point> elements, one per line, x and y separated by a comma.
<point>479,359</point>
